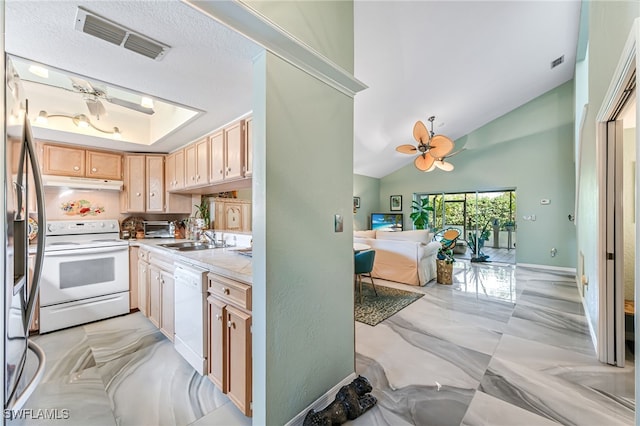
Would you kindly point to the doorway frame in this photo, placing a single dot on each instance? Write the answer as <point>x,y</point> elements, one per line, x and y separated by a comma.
<point>611,308</point>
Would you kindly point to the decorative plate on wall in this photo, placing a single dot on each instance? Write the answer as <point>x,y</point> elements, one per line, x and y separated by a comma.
<point>32,229</point>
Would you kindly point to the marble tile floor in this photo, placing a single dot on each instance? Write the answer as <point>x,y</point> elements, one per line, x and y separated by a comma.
<point>123,371</point>
<point>502,255</point>
<point>503,345</point>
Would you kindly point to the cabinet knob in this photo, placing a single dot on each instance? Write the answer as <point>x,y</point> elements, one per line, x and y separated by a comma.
<point>197,177</point>
<point>94,170</point>
<point>76,168</point>
<point>219,317</point>
<point>221,171</point>
<point>193,178</point>
<point>138,194</point>
<point>231,324</point>
<point>225,290</point>
<point>153,194</point>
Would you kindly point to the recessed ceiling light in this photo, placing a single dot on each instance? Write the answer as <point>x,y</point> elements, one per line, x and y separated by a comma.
<point>39,71</point>
<point>557,61</point>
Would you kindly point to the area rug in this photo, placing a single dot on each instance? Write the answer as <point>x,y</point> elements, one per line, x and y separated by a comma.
<point>373,310</point>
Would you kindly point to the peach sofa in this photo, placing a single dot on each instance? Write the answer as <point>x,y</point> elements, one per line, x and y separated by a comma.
<point>407,257</point>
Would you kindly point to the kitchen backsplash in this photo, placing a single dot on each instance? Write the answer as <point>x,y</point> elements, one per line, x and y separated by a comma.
<point>70,204</point>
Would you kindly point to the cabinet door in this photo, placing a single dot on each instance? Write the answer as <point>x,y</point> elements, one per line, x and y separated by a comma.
<point>219,217</point>
<point>155,183</point>
<point>216,351</point>
<point>167,319</point>
<point>154,295</point>
<point>233,216</point>
<point>202,162</point>
<point>248,147</point>
<point>246,217</point>
<point>134,181</point>
<point>60,160</point>
<point>190,165</point>
<point>174,171</point>
<point>216,171</point>
<point>133,277</point>
<point>143,287</point>
<point>234,151</point>
<point>104,165</point>
<point>239,360</point>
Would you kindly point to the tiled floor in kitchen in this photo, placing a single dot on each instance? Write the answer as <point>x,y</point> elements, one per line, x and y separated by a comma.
<point>503,345</point>
<point>123,371</point>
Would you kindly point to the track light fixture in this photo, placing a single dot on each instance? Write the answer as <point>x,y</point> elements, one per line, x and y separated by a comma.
<point>80,120</point>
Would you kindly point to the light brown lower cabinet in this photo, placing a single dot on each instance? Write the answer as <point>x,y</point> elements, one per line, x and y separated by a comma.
<point>229,353</point>
<point>133,277</point>
<point>161,294</point>
<point>143,281</point>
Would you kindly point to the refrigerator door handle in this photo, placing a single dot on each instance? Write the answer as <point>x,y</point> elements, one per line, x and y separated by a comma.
<point>37,179</point>
<point>20,399</point>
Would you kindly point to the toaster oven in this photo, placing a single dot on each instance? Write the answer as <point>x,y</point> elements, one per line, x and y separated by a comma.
<point>158,229</point>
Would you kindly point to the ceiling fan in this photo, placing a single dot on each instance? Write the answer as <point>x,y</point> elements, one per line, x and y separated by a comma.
<point>93,95</point>
<point>432,149</point>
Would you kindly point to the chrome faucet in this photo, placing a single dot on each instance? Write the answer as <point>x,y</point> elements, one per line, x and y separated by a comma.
<point>209,235</point>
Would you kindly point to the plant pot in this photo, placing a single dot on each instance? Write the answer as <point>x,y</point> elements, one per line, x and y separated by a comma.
<point>444,272</point>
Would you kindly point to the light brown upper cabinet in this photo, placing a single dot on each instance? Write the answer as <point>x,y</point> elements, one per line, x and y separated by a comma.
<point>104,165</point>
<point>154,177</point>
<point>248,147</point>
<point>144,187</point>
<point>70,161</point>
<point>228,153</point>
<point>174,171</point>
<point>62,160</point>
<point>197,163</point>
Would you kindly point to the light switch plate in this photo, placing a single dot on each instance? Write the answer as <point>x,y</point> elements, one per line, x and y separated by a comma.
<point>338,223</point>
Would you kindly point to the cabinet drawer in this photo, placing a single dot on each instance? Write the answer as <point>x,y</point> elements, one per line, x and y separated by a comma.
<point>230,291</point>
<point>143,255</point>
<point>161,261</point>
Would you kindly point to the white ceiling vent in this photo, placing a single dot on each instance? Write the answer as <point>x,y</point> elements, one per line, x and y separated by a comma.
<point>97,26</point>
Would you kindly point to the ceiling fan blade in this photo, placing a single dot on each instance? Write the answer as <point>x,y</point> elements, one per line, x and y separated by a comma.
<point>443,165</point>
<point>432,168</point>
<point>424,162</point>
<point>81,85</point>
<point>407,149</point>
<point>455,153</point>
<point>440,146</point>
<point>131,105</point>
<point>420,132</point>
<point>95,107</point>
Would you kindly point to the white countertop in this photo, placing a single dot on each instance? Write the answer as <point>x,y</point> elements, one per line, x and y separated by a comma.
<point>223,261</point>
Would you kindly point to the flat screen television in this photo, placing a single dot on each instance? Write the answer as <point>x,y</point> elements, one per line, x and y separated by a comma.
<point>387,221</point>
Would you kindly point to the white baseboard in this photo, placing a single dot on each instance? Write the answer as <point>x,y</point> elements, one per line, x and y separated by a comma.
<point>568,270</point>
<point>321,402</point>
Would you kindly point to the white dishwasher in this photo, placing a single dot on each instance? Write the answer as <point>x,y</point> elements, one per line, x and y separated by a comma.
<point>191,315</point>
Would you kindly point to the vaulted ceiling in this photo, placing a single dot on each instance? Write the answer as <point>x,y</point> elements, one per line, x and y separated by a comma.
<point>466,62</point>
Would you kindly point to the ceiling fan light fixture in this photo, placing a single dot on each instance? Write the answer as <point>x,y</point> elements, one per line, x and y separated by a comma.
<point>81,121</point>
<point>444,165</point>
<point>42,118</point>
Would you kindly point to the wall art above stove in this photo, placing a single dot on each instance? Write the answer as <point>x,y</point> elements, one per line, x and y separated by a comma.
<point>81,208</point>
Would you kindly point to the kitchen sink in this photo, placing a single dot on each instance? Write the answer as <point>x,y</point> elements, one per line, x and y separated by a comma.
<point>190,245</point>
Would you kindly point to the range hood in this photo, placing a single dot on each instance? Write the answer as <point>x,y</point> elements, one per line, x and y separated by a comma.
<point>81,183</point>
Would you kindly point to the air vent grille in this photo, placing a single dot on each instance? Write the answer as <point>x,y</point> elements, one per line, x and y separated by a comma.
<point>143,46</point>
<point>101,29</point>
<point>97,26</point>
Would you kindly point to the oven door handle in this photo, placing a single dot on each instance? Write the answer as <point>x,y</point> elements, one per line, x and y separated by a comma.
<point>95,250</point>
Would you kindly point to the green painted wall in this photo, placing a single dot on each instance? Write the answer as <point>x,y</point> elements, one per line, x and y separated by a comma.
<point>530,149</point>
<point>609,26</point>
<point>302,268</point>
<point>325,26</point>
<point>368,189</point>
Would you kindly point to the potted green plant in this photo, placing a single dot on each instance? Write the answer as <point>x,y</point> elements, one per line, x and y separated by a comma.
<point>444,266</point>
<point>420,214</point>
<point>203,212</point>
<point>509,225</point>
